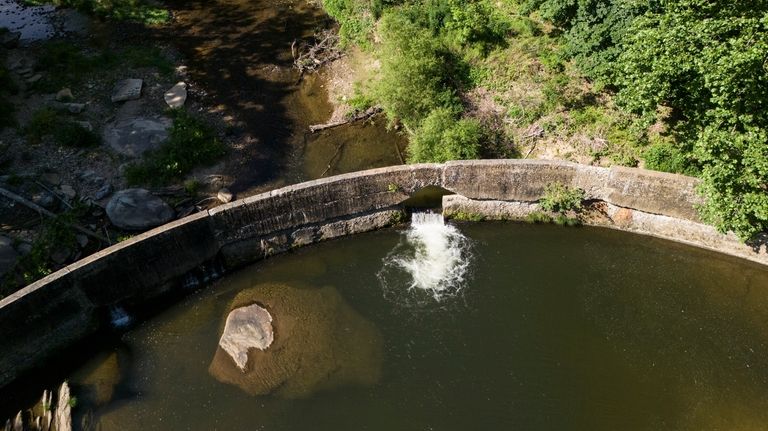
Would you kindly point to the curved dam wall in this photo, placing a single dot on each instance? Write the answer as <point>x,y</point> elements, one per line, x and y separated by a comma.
<point>73,303</point>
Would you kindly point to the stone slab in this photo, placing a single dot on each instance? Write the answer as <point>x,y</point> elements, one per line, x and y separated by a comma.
<point>127,89</point>
<point>135,136</point>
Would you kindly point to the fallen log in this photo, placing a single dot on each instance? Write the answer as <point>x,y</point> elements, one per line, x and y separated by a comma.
<point>368,113</point>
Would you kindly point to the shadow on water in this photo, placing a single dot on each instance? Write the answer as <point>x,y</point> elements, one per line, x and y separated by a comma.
<point>240,53</point>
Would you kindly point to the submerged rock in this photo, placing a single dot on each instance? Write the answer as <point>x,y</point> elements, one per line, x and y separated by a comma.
<point>64,95</point>
<point>246,328</point>
<point>319,343</point>
<point>138,209</point>
<point>102,379</point>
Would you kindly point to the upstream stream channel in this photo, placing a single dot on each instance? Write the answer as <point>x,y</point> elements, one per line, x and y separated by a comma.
<point>240,52</point>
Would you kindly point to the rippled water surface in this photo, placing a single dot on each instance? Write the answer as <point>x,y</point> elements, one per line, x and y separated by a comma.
<point>555,329</point>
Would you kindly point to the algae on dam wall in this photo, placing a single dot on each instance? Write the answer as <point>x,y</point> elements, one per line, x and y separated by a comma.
<point>55,312</point>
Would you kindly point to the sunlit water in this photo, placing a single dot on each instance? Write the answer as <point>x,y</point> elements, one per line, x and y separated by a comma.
<point>555,329</point>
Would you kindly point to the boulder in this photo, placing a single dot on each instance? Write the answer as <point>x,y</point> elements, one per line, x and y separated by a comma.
<point>319,343</point>
<point>64,95</point>
<point>176,95</point>
<point>102,192</point>
<point>225,195</point>
<point>138,209</point>
<point>34,78</point>
<point>68,191</point>
<point>135,136</point>
<point>127,89</point>
<point>8,255</point>
<point>45,199</point>
<point>246,328</point>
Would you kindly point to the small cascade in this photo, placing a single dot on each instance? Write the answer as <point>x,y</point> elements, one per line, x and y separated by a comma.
<point>118,317</point>
<point>203,274</point>
<point>434,258</point>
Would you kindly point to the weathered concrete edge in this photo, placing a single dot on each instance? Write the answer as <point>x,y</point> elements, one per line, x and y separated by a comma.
<point>620,218</point>
<point>244,231</point>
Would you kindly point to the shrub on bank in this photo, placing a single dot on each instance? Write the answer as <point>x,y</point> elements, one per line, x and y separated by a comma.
<point>191,143</point>
<point>442,137</point>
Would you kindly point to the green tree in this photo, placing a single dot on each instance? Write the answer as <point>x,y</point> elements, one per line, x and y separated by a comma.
<point>442,137</point>
<point>415,68</point>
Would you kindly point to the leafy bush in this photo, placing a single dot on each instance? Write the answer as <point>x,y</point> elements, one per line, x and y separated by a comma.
<point>666,157</point>
<point>415,72</point>
<point>538,217</point>
<point>559,198</point>
<point>703,60</point>
<point>71,134</point>
<point>442,137</point>
<point>66,132</point>
<point>356,18</point>
<point>191,143</point>
<point>475,23</point>
<point>36,264</point>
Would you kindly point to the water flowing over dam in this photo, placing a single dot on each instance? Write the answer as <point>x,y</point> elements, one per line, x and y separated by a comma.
<point>434,258</point>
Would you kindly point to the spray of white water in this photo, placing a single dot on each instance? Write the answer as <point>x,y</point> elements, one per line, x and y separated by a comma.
<point>434,257</point>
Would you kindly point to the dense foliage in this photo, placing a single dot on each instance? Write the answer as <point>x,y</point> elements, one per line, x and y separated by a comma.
<point>690,76</point>
<point>442,138</point>
<point>707,62</point>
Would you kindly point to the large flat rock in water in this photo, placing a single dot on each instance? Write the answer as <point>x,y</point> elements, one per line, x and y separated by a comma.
<point>138,209</point>
<point>246,328</point>
<point>320,343</point>
<point>133,137</point>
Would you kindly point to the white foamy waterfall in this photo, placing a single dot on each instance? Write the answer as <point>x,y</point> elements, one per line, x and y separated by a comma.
<point>433,258</point>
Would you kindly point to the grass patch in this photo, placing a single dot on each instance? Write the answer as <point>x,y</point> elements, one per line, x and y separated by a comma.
<point>7,88</point>
<point>66,65</point>
<point>538,217</point>
<point>119,10</point>
<point>466,216</point>
<point>559,198</point>
<point>138,56</point>
<point>36,264</point>
<point>191,143</point>
<point>65,131</point>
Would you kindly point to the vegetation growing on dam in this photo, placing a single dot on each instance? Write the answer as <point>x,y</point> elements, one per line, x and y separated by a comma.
<point>677,85</point>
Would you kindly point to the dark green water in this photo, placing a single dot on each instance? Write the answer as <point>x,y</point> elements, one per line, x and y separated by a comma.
<point>557,329</point>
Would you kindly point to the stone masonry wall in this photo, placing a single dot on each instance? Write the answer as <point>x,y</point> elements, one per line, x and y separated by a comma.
<point>51,314</point>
